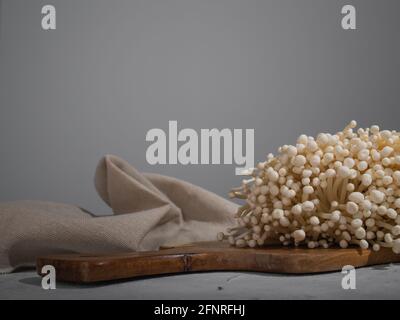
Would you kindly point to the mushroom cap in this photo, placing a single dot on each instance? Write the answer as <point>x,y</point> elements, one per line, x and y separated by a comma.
<point>341,188</point>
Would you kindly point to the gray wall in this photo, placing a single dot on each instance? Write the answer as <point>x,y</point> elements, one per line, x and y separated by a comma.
<point>115,69</point>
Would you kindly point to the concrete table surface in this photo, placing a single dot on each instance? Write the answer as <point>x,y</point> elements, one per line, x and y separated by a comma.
<point>378,282</point>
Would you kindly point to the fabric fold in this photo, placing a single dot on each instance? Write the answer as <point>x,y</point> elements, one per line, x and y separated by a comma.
<point>150,211</point>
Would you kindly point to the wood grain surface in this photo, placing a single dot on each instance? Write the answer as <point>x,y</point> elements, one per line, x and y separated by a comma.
<point>209,256</point>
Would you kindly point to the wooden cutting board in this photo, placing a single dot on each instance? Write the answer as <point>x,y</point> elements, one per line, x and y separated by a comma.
<point>209,256</point>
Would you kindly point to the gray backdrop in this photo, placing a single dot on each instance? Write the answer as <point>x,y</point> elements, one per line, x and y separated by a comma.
<point>115,69</point>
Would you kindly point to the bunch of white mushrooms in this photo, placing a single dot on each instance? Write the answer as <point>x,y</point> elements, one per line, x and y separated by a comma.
<point>341,189</point>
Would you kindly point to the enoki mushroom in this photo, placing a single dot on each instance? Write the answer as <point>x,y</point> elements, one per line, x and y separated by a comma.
<point>341,189</point>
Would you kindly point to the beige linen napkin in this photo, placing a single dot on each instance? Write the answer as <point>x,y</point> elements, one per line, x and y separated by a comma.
<point>150,211</point>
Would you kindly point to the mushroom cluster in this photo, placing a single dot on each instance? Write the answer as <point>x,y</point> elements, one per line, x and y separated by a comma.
<point>336,189</point>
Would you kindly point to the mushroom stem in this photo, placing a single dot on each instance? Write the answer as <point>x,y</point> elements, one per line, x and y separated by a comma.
<point>341,188</point>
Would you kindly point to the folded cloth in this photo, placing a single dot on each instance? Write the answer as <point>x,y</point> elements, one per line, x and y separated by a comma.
<point>150,211</point>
